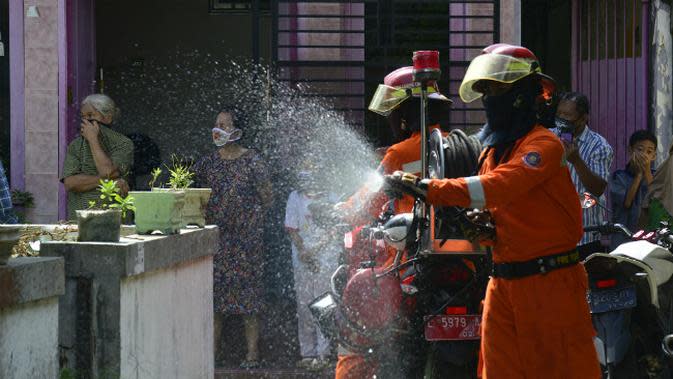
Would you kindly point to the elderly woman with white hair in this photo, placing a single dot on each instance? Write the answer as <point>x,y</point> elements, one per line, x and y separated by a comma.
<point>98,153</point>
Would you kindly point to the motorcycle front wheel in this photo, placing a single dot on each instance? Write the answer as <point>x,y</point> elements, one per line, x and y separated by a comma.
<point>435,368</point>
<point>641,361</point>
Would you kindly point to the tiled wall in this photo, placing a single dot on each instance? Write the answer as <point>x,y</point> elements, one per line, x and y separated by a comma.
<point>41,109</point>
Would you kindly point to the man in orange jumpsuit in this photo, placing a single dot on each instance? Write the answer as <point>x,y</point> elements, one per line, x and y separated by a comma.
<point>398,100</point>
<point>536,321</point>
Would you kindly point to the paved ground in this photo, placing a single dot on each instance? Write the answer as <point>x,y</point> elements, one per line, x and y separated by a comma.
<point>266,373</point>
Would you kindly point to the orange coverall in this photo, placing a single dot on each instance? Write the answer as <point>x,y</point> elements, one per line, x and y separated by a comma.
<point>404,156</point>
<point>538,326</point>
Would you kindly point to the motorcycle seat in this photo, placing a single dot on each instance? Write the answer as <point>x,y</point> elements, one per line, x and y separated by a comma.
<point>659,259</point>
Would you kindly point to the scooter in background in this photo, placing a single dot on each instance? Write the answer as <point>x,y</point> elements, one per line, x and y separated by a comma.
<point>631,301</point>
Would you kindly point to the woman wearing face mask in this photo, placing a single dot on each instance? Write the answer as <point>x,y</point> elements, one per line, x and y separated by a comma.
<point>241,195</point>
<point>98,153</point>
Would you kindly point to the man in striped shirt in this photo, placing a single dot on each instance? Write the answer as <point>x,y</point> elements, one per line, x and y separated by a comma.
<point>7,215</point>
<point>589,157</point>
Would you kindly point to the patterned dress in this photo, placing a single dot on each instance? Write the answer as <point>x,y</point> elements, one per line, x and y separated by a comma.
<point>236,207</point>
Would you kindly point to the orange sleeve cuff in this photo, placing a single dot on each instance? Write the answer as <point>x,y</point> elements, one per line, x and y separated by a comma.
<point>449,192</point>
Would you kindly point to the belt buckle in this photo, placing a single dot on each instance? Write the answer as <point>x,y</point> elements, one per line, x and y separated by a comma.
<point>542,265</point>
<point>502,270</point>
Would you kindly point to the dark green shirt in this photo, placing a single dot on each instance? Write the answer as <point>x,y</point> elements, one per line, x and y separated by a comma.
<point>79,160</point>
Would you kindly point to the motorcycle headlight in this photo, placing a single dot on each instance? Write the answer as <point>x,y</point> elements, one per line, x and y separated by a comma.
<point>324,310</point>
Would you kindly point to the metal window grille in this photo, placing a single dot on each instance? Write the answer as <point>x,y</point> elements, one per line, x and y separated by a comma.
<point>237,6</point>
<point>341,50</point>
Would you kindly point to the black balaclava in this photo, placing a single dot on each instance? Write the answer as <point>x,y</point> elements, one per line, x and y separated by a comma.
<point>438,112</point>
<point>510,116</point>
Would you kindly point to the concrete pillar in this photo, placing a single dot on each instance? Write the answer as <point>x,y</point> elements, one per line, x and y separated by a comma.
<point>41,97</point>
<point>510,21</point>
<point>29,291</point>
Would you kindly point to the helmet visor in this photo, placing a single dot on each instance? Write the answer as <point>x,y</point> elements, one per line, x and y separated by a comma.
<point>495,67</point>
<point>386,98</point>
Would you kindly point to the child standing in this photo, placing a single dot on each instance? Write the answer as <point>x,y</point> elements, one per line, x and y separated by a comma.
<point>314,259</point>
<point>628,187</point>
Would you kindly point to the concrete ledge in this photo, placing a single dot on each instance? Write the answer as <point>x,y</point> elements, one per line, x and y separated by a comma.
<point>27,279</point>
<point>134,254</point>
<point>126,229</point>
<point>156,272</point>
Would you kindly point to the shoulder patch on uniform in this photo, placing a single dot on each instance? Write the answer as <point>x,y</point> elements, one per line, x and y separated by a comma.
<point>532,159</point>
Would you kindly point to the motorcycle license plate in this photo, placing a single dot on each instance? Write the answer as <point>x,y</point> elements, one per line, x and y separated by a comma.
<point>613,299</point>
<point>452,327</point>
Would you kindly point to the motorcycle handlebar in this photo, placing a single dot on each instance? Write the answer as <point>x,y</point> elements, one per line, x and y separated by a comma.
<point>333,279</point>
<point>667,345</point>
<point>609,229</point>
<point>669,239</point>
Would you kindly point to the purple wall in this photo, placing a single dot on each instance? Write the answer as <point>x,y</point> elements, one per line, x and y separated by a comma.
<point>77,68</point>
<point>16,94</point>
<point>610,58</point>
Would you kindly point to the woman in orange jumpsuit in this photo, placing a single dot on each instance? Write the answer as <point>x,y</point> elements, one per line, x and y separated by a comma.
<point>536,321</point>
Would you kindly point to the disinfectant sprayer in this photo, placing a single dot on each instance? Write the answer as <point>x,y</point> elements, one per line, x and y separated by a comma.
<point>426,70</point>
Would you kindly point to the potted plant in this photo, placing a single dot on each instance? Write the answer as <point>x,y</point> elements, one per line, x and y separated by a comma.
<point>9,236</point>
<point>21,201</point>
<point>196,199</point>
<point>158,210</point>
<point>102,221</point>
<point>181,177</point>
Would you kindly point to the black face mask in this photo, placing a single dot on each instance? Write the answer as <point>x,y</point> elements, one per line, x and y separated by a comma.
<point>510,116</point>
<point>92,120</point>
<point>500,110</point>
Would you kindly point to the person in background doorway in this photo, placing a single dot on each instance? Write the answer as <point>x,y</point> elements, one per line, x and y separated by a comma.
<point>241,195</point>
<point>629,186</point>
<point>146,157</point>
<point>314,259</point>
<point>98,153</point>
<point>589,157</point>
<point>7,215</point>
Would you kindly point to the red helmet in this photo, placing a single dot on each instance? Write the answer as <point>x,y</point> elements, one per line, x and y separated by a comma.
<point>397,87</point>
<point>503,63</point>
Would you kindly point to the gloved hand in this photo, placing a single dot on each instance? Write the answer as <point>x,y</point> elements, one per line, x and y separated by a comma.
<point>480,227</point>
<point>401,183</point>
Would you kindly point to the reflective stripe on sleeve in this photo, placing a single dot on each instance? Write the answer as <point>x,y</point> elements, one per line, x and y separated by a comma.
<point>412,167</point>
<point>476,190</point>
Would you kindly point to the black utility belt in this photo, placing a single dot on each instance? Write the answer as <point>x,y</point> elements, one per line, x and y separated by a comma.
<point>541,265</point>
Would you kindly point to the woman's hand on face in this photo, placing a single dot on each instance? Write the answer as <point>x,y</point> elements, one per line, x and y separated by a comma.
<point>89,130</point>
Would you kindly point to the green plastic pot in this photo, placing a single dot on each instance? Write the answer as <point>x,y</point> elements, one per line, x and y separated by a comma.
<point>158,210</point>
<point>194,212</point>
<point>99,225</point>
<point>9,236</point>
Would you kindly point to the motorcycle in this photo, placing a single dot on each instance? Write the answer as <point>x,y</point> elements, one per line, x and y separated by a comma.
<point>419,316</point>
<point>631,304</point>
